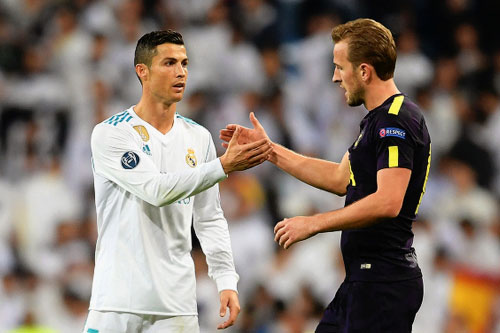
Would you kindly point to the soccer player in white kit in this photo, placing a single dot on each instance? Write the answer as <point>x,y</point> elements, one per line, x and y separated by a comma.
<point>156,174</point>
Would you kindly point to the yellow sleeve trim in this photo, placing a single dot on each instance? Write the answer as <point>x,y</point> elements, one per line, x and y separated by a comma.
<point>425,180</point>
<point>393,156</point>
<point>351,175</point>
<point>396,105</point>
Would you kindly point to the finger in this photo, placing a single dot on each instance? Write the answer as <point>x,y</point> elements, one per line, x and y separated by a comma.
<point>225,324</point>
<point>255,144</point>
<point>232,127</point>
<point>283,240</point>
<point>227,132</point>
<point>224,144</point>
<point>288,243</point>
<point>260,152</point>
<point>235,137</point>
<point>233,314</point>
<point>254,121</point>
<point>258,159</point>
<point>279,234</point>
<point>279,225</point>
<point>237,133</point>
<point>225,138</point>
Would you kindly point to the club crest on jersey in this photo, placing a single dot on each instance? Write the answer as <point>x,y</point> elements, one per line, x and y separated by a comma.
<point>191,158</point>
<point>392,131</point>
<point>143,132</point>
<point>130,160</point>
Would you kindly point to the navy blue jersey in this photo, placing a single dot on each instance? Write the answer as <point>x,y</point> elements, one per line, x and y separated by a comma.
<point>393,135</point>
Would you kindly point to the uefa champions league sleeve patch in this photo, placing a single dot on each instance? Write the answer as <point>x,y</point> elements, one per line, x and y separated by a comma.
<point>130,160</point>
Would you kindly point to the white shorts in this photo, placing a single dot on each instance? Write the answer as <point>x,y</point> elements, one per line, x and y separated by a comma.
<point>124,322</point>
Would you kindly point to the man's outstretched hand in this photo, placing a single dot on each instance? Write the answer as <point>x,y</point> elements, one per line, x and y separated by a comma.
<point>247,135</point>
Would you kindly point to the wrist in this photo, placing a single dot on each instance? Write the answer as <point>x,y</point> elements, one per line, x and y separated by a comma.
<point>273,157</point>
<point>225,167</point>
<point>315,225</point>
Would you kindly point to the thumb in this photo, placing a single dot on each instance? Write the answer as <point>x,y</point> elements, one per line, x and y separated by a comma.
<point>236,134</point>
<point>223,307</point>
<point>255,122</point>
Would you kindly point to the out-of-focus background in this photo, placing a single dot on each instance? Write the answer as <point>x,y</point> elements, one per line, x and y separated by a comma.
<point>67,65</point>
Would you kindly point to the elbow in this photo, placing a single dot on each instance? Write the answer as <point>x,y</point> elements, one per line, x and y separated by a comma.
<point>338,187</point>
<point>158,201</point>
<point>391,209</point>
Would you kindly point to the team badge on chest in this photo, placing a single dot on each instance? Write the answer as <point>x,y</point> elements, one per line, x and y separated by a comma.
<point>143,132</point>
<point>191,158</point>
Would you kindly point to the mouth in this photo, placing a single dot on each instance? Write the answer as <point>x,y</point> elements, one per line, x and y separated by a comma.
<point>179,87</point>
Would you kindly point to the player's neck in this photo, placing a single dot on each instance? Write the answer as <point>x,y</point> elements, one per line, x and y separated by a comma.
<point>378,92</point>
<point>159,115</point>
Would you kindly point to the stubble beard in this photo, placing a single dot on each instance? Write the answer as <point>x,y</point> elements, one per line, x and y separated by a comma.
<point>356,98</point>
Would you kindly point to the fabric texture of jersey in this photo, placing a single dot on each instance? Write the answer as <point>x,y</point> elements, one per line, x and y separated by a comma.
<point>391,135</point>
<point>149,188</point>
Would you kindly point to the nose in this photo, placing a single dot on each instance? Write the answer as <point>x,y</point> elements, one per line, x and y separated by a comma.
<point>180,70</point>
<point>336,76</point>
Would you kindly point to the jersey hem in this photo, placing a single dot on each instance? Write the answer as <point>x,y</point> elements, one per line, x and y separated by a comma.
<point>383,280</point>
<point>157,313</point>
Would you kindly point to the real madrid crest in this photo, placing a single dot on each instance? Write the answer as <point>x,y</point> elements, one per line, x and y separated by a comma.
<point>191,158</point>
<point>143,132</point>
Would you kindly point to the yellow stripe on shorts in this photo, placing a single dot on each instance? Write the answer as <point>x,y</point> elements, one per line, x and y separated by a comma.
<point>393,156</point>
<point>396,105</point>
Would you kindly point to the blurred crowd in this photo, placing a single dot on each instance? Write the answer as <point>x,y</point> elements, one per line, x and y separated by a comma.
<point>67,65</point>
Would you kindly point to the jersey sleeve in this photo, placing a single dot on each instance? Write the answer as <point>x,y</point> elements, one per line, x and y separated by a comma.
<point>117,157</point>
<point>211,229</point>
<point>394,144</point>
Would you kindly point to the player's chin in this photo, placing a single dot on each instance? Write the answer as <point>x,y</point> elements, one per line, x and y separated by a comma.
<point>354,100</point>
<point>177,97</point>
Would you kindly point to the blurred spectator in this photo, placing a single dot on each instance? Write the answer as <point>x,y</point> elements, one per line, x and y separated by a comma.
<point>44,203</point>
<point>242,199</point>
<point>465,199</point>
<point>413,68</point>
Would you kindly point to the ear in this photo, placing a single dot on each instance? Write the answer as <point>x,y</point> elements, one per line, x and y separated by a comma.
<point>366,72</point>
<point>142,72</point>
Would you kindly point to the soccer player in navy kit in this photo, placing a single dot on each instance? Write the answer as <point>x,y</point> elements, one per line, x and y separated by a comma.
<point>383,175</point>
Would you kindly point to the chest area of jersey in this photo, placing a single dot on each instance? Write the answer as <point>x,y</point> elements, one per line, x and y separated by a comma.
<point>176,153</point>
<point>362,151</point>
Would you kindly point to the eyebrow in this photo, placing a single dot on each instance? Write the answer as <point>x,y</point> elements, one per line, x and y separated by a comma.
<point>174,59</point>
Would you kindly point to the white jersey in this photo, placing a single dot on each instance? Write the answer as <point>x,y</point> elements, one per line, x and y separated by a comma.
<point>149,188</point>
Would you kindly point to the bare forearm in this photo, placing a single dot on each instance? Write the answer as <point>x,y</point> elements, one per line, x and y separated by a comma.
<point>362,213</point>
<point>321,174</point>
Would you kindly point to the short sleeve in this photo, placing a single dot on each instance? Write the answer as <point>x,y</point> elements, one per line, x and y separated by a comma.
<point>394,143</point>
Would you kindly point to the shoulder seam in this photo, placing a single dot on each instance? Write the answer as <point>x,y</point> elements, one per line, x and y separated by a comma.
<point>118,118</point>
<point>187,120</point>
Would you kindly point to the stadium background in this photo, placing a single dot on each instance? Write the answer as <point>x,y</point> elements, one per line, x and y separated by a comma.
<point>67,65</point>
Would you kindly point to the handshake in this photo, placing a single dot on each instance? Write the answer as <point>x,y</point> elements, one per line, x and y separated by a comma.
<point>245,147</point>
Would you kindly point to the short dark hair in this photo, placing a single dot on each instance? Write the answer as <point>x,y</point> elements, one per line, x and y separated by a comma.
<point>146,45</point>
<point>368,41</point>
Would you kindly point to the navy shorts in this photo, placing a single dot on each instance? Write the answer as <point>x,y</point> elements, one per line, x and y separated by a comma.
<point>373,307</point>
